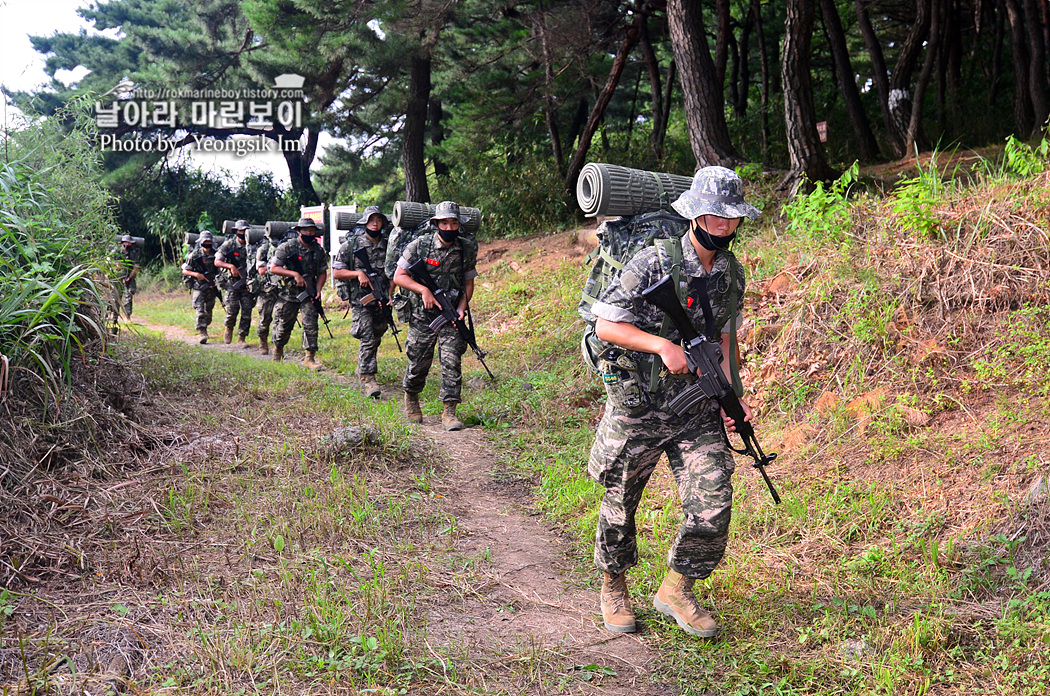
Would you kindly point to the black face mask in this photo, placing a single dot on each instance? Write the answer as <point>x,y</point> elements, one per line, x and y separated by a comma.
<point>373,235</point>
<point>240,235</point>
<point>206,247</point>
<point>448,236</point>
<point>308,239</point>
<point>711,242</point>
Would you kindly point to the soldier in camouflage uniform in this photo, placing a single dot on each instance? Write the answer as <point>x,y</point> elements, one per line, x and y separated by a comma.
<point>638,426</point>
<point>303,263</point>
<point>452,259</point>
<point>267,291</point>
<point>368,324</point>
<point>127,261</point>
<point>232,258</point>
<point>200,265</point>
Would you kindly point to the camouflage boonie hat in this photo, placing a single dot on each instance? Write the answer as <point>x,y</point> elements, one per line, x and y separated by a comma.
<point>127,239</point>
<point>305,222</point>
<point>447,210</point>
<point>205,236</point>
<point>369,212</point>
<point>715,191</point>
<point>241,225</point>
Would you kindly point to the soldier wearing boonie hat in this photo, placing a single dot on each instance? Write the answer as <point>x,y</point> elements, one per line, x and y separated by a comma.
<point>638,426</point>
<point>233,258</point>
<point>304,264</point>
<point>200,265</point>
<point>367,324</point>
<point>127,257</point>
<point>452,261</point>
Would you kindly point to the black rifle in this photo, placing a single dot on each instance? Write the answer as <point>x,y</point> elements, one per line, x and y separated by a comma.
<point>419,271</point>
<point>704,359</point>
<point>203,285</point>
<point>310,293</point>
<point>240,282</point>
<point>379,292</point>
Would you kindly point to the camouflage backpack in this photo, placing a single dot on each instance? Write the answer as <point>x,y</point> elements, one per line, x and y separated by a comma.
<point>619,240</point>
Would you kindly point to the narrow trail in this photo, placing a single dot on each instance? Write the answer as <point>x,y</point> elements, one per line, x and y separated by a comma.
<point>528,598</point>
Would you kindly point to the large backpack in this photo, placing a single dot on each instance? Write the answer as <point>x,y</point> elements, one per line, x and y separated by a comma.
<point>619,240</point>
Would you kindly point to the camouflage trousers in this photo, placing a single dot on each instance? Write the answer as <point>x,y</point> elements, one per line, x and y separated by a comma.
<point>203,303</point>
<point>122,296</point>
<point>625,453</point>
<point>285,312</point>
<point>265,305</point>
<point>239,302</point>
<point>419,349</point>
<point>368,326</point>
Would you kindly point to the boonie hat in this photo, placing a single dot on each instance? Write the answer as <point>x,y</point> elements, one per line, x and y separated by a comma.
<point>447,210</point>
<point>241,225</point>
<point>715,191</point>
<point>305,222</point>
<point>127,239</point>
<point>205,236</point>
<point>369,212</point>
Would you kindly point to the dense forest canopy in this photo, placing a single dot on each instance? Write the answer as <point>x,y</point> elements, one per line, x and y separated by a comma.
<point>501,103</point>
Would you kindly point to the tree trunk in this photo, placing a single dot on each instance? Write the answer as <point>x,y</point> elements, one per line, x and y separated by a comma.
<point>299,169</point>
<point>672,79</point>
<point>702,91</point>
<point>413,134</point>
<point>580,156</point>
<point>756,11</point>
<point>744,73</point>
<point>800,120</point>
<point>652,64</point>
<point>722,38</point>
<point>935,11</point>
<point>1023,114</point>
<point>997,58</point>
<point>1037,76</point>
<point>578,120</point>
<point>878,66</point>
<point>549,107</point>
<point>869,147</point>
<point>900,99</point>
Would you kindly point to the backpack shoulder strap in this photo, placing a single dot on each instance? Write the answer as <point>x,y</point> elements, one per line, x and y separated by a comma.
<point>669,252</point>
<point>734,306</point>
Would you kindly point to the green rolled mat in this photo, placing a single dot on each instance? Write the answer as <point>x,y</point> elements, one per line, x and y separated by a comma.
<point>139,241</point>
<point>608,189</point>
<point>255,232</point>
<point>408,214</point>
<point>192,237</point>
<point>275,229</point>
<point>346,221</point>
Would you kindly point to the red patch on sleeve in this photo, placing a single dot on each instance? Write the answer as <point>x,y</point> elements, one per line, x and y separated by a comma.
<point>689,302</point>
<point>300,258</point>
<point>432,262</point>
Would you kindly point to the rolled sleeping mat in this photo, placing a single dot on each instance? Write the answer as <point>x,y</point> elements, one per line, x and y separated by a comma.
<point>192,237</point>
<point>139,241</point>
<point>607,189</point>
<point>409,214</point>
<point>275,229</point>
<point>346,221</point>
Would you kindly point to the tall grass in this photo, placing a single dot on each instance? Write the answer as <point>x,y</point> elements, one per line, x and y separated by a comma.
<point>55,229</point>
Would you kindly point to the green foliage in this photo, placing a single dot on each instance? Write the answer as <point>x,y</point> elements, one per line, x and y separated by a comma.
<point>1023,160</point>
<point>916,200</point>
<point>824,210</point>
<point>55,223</point>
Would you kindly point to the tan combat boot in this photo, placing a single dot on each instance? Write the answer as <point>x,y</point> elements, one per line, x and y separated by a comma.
<point>370,386</point>
<point>203,333</point>
<point>278,353</point>
<point>449,421</point>
<point>241,342</point>
<point>412,410</point>
<point>227,336</point>
<point>616,604</point>
<point>675,599</point>
<point>264,346</point>
<point>310,360</point>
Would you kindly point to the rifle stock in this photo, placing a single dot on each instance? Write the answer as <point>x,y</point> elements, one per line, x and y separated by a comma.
<point>418,270</point>
<point>704,357</point>
<point>378,293</point>
<point>310,293</point>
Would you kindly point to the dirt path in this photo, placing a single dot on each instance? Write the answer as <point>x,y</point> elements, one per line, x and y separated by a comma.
<point>530,596</point>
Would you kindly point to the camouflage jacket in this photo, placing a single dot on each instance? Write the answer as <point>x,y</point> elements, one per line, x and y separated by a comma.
<point>126,260</point>
<point>201,260</point>
<point>233,252</point>
<point>623,302</point>
<point>450,267</point>
<point>345,259</point>
<point>398,239</point>
<point>309,261</point>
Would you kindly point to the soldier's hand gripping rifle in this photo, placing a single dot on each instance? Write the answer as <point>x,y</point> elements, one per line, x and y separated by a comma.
<point>419,272</point>
<point>205,284</point>
<point>241,281</point>
<point>379,292</point>
<point>704,359</point>
<point>310,293</point>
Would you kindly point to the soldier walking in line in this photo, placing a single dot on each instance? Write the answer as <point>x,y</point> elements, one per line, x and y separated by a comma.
<point>638,425</point>
<point>200,265</point>
<point>128,262</point>
<point>303,264</point>
<point>267,291</point>
<point>232,258</point>
<point>368,324</point>
<point>451,259</point>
